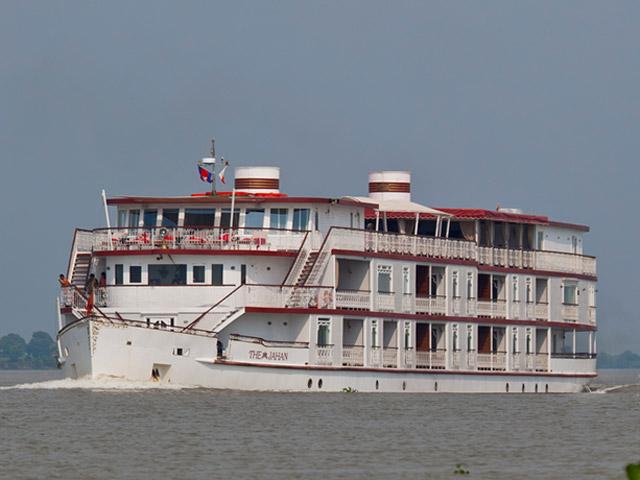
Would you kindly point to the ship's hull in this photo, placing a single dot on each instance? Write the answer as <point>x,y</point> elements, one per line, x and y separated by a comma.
<point>99,349</point>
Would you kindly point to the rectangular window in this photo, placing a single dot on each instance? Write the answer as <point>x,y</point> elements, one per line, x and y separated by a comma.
<point>455,285</point>
<point>170,217</point>
<point>225,218</point>
<point>198,274</point>
<point>384,279</point>
<point>243,274</point>
<point>149,219</point>
<point>514,340</point>
<point>199,217</point>
<point>122,218</point>
<point>541,290</point>
<point>324,332</point>
<point>515,290</point>
<point>540,237</point>
<point>216,274</point>
<point>119,274</point>
<point>300,219</point>
<point>470,285</point>
<point>528,342</point>
<point>470,338</point>
<point>278,218</point>
<point>254,218</point>
<point>407,336</point>
<point>135,274</point>
<point>134,218</point>
<point>406,280</point>
<point>167,274</point>
<point>454,339</point>
<point>374,333</point>
<point>570,294</point>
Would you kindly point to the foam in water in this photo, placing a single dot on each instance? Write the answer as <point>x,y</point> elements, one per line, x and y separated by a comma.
<point>103,383</point>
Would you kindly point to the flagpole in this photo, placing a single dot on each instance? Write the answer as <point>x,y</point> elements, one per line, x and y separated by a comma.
<point>213,167</point>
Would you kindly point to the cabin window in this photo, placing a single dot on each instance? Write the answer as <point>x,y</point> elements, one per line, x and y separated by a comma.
<point>406,280</point>
<point>324,332</point>
<point>384,279</point>
<point>135,274</point>
<point>455,285</point>
<point>454,338</point>
<point>514,339</point>
<point>198,274</point>
<point>528,341</point>
<point>243,274</point>
<point>407,336</point>
<point>278,218</point>
<point>540,242</point>
<point>254,218</point>
<point>225,218</point>
<point>469,338</point>
<point>374,333</point>
<point>170,217</point>
<point>199,217</point>
<point>134,218</point>
<point>515,290</point>
<point>167,274</point>
<point>300,219</point>
<point>149,218</point>
<point>216,274</point>
<point>470,285</point>
<point>119,274</point>
<point>541,290</point>
<point>122,218</point>
<point>570,294</point>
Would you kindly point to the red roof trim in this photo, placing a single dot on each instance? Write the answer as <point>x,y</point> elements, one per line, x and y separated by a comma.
<point>193,251</point>
<point>414,316</point>
<point>224,198</point>
<point>570,226</point>
<point>405,371</point>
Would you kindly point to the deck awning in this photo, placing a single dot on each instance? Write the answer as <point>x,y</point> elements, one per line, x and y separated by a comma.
<point>401,206</point>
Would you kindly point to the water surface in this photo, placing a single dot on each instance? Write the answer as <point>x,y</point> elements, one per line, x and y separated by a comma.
<point>108,429</point>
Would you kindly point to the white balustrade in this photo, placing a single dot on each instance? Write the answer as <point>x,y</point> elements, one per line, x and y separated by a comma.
<point>493,309</point>
<point>542,311</point>
<point>353,355</point>
<point>324,355</point>
<point>390,357</point>
<point>592,314</point>
<point>570,313</point>
<point>353,299</point>
<point>385,302</point>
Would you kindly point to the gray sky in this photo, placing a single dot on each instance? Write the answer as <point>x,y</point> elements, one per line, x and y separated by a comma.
<point>533,105</point>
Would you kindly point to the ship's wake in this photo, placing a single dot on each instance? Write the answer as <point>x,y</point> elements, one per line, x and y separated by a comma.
<point>624,388</point>
<point>96,384</point>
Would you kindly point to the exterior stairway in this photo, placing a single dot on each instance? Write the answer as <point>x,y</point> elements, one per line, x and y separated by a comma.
<point>306,270</point>
<point>298,297</point>
<point>80,268</point>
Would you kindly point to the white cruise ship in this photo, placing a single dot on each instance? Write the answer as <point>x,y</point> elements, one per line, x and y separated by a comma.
<point>258,290</point>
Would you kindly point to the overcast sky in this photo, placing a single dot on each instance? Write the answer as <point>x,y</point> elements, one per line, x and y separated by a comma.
<point>533,105</point>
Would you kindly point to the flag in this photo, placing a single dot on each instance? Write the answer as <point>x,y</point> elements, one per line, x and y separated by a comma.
<point>221,174</point>
<point>205,175</point>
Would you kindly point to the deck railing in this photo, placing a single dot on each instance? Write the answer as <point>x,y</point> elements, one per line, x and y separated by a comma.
<point>491,361</point>
<point>153,238</point>
<point>570,312</point>
<point>492,308</point>
<point>353,355</point>
<point>390,357</point>
<point>353,299</point>
<point>434,359</point>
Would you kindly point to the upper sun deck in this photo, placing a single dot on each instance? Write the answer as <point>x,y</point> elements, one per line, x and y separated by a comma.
<point>255,219</point>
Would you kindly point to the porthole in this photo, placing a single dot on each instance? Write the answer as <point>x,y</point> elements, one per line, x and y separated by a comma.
<point>404,385</point>
<point>506,387</point>
<point>128,342</point>
<point>435,386</point>
<point>546,388</point>
<point>310,383</point>
<point>320,383</point>
<point>269,322</point>
<point>523,388</point>
<point>377,384</point>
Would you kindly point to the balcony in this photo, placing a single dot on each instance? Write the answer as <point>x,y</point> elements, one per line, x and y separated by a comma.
<point>390,357</point>
<point>353,355</point>
<point>432,359</point>
<point>492,308</point>
<point>421,246</point>
<point>491,361</point>
<point>353,299</point>
<point>570,312</point>
<point>542,311</point>
<point>188,238</point>
<point>385,302</point>
<point>432,305</point>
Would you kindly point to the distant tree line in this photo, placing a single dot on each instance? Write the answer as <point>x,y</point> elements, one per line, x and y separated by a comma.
<point>16,353</point>
<point>624,360</point>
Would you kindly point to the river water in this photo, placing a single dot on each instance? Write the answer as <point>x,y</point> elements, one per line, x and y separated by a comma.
<point>52,428</point>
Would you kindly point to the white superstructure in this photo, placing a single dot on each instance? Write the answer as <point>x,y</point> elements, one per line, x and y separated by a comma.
<point>263,291</point>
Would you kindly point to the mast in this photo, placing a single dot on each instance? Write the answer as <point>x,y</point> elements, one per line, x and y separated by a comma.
<point>213,166</point>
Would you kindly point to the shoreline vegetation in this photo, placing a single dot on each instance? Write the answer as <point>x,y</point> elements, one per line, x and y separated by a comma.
<point>40,354</point>
<point>37,354</point>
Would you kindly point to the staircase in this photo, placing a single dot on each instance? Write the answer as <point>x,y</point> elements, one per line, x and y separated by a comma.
<point>80,269</point>
<point>306,270</point>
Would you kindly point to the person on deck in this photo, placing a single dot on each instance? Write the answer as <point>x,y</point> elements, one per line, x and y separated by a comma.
<point>90,289</point>
<point>64,281</point>
<point>66,292</point>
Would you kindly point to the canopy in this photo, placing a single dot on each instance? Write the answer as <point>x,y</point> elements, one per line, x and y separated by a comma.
<point>401,206</point>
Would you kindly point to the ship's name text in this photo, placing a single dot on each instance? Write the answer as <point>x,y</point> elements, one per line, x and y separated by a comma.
<point>262,355</point>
